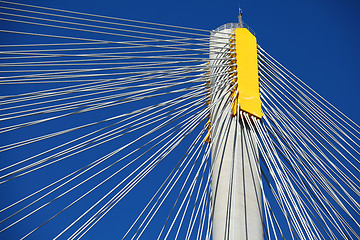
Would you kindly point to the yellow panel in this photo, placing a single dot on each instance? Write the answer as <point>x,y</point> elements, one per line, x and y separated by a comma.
<point>247,73</point>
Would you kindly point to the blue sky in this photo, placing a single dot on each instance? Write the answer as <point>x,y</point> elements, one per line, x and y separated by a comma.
<point>317,40</point>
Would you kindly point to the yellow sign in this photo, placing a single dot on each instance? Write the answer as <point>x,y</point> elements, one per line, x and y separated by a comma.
<point>247,77</point>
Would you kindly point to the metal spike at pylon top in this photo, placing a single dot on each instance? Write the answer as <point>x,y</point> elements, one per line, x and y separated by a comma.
<point>241,25</point>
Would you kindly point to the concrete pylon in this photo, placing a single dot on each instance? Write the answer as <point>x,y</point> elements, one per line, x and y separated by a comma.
<point>236,191</point>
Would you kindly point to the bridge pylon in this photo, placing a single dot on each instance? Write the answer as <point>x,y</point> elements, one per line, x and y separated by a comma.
<point>236,178</point>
